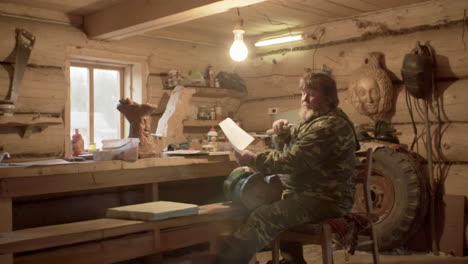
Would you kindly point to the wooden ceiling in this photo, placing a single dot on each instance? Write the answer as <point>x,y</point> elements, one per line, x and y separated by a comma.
<point>260,18</point>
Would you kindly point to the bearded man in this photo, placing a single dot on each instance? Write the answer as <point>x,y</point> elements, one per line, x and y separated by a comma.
<point>315,168</point>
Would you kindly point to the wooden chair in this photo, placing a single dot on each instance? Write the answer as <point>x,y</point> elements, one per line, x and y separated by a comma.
<point>322,233</point>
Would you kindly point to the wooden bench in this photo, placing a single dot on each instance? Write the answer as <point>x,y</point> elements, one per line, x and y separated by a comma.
<point>110,240</point>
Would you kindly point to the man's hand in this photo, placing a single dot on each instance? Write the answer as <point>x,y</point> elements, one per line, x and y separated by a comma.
<point>245,157</point>
<point>280,127</point>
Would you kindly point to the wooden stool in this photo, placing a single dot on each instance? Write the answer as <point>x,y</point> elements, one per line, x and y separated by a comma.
<point>322,233</point>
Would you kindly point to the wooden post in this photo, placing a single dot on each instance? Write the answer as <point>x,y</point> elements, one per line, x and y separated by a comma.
<point>6,224</point>
<point>275,250</point>
<point>151,195</point>
<point>151,192</point>
<point>326,241</point>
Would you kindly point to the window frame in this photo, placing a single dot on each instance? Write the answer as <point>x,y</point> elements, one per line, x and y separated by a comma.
<point>137,72</point>
<point>91,66</point>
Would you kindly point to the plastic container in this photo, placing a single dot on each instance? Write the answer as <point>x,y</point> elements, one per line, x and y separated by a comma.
<point>123,149</point>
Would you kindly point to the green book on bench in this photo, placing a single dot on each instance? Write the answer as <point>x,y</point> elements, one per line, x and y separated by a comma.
<point>152,211</point>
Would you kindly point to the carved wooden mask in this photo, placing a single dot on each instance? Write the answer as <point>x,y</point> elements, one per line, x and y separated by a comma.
<point>371,89</point>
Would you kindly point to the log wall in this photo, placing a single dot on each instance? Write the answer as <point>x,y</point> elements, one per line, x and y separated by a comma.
<point>272,75</point>
<point>45,88</point>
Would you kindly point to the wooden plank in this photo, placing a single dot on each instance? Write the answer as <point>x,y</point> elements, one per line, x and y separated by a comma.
<point>142,16</point>
<point>67,113</point>
<point>209,212</point>
<point>18,10</point>
<point>132,246</point>
<point>97,166</point>
<point>24,186</point>
<point>78,232</point>
<point>453,225</point>
<point>193,234</point>
<point>152,211</point>
<point>65,234</point>
<point>6,225</point>
<point>104,252</point>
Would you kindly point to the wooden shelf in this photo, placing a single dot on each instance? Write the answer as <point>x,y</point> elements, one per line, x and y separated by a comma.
<point>201,123</point>
<point>215,92</point>
<point>28,122</point>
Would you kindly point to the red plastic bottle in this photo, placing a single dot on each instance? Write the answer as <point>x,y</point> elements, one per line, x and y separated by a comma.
<point>77,143</point>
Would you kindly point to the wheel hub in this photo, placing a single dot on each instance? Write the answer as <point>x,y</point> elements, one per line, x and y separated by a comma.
<point>382,195</point>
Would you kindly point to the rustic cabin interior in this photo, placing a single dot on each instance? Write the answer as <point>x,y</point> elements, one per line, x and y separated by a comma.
<point>150,131</point>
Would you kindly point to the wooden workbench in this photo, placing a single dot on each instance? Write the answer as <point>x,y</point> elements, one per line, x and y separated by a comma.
<point>106,240</point>
<point>25,181</point>
<point>49,179</point>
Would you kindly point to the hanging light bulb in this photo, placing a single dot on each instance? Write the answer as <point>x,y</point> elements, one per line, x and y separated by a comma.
<point>238,50</point>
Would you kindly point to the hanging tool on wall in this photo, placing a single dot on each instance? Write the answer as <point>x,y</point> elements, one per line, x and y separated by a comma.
<point>24,45</point>
<point>418,75</point>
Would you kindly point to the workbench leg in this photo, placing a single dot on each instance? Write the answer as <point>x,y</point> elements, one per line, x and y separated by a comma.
<point>6,224</point>
<point>151,195</point>
<point>151,192</point>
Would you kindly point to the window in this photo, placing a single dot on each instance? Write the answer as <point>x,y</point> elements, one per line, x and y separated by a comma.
<point>95,91</point>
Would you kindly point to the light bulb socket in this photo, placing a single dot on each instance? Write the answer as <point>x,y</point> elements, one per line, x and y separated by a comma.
<point>239,24</point>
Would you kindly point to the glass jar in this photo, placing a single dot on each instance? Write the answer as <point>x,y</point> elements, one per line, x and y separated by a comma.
<point>203,113</point>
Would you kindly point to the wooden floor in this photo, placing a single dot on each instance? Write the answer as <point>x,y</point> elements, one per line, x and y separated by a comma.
<point>313,256</point>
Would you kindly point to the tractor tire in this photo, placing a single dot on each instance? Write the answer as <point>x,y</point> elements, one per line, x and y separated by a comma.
<point>399,196</point>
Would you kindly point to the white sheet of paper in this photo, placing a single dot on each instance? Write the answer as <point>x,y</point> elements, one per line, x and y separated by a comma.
<point>236,135</point>
<point>161,130</point>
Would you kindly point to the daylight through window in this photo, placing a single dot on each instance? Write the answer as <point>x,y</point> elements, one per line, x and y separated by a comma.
<point>95,93</point>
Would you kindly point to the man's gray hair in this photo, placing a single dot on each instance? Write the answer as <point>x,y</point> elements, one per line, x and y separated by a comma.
<point>326,83</point>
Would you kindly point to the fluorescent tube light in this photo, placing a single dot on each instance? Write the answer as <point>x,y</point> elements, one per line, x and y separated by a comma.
<point>279,40</point>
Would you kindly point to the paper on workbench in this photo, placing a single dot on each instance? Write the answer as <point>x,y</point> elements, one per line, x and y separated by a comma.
<point>236,135</point>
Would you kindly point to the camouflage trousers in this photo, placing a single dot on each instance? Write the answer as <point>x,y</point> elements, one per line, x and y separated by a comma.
<point>267,221</point>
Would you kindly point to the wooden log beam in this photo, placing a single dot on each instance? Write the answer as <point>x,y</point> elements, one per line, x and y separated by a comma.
<point>391,22</point>
<point>139,16</point>
<point>38,14</point>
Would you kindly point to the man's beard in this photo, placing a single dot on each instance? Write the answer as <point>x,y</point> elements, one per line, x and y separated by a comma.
<point>306,113</point>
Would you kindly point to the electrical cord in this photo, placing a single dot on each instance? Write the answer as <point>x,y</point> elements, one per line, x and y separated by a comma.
<point>410,110</point>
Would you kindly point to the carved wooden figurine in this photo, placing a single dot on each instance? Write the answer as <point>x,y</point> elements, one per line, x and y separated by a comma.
<point>140,126</point>
<point>372,90</point>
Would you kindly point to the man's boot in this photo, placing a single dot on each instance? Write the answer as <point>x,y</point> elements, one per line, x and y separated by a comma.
<point>291,252</point>
<point>233,251</point>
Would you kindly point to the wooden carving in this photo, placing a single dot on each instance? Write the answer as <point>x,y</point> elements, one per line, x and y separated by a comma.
<point>140,126</point>
<point>372,90</point>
